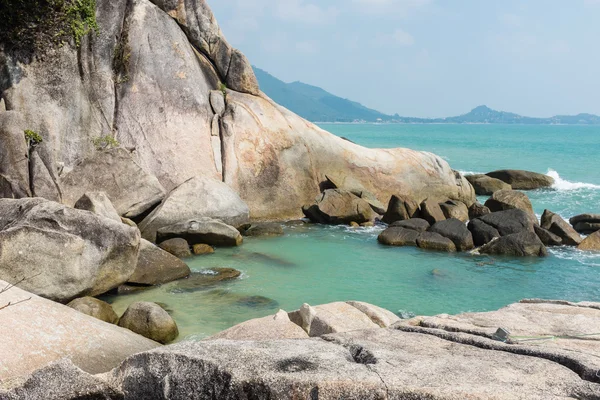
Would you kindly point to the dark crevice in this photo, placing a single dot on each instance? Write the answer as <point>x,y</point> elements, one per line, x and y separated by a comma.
<point>120,72</point>
<point>360,355</point>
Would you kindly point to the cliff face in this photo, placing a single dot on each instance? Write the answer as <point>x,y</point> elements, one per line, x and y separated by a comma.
<point>160,78</point>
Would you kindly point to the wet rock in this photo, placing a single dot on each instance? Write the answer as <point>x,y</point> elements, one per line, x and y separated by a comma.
<point>156,266</point>
<point>397,236</point>
<point>206,279</point>
<point>98,203</point>
<point>455,209</point>
<point>547,237</point>
<point>264,258</point>
<point>435,241</point>
<point>126,289</point>
<point>151,321</point>
<point>509,222</point>
<point>485,185</point>
<point>510,199</point>
<point>273,327</point>
<point>558,226</point>
<point>482,232</point>
<point>591,243</point>
<point>202,249</point>
<point>478,210</point>
<point>202,230</point>
<point>523,180</point>
<point>354,225</point>
<point>432,212</point>
<point>339,207</point>
<point>524,244</point>
<point>401,208</point>
<point>264,229</point>
<point>178,247</point>
<point>95,308</point>
<point>416,224</point>
<point>456,231</point>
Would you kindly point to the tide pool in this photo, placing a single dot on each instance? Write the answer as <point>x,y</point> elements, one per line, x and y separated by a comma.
<point>320,264</point>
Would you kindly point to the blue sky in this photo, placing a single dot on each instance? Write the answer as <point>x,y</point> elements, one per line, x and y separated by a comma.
<point>428,58</point>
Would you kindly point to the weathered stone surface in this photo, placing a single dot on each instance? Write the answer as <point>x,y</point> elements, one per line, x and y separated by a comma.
<point>508,222</point>
<point>43,181</point>
<point>338,317</point>
<point>98,203</point>
<point>339,207</point>
<point>503,200</point>
<point>95,308</point>
<point>591,243</point>
<point>523,180</point>
<point>64,253</point>
<point>151,321</point>
<point>37,332</point>
<point>264,229</point>
<point>202,230</point>
<point>524,244</point>
<point>558,226</point>
<point>398,236</point>
<point>587,227</point>
<point>131,189</point>
<point>435,241</point>
<point>478,210</point>
<point>178,247</point>
<point>485,185</point>
<point>455,209</point>
<point>14,167</point>
<point>380,316</point>
<point>156,266</point>
<point>547,237</point>
<point>585,218</point>
<point>456,231</point>
<point>482,232</point>
<point>401,208</point>
<point>416,224</point>
<point>202,249</point>
<point>206,278</point>
<point>217,102</point>
<point>373,201</point>
<point>196,198</point>
<point>273,327</point>
<point>432,212</point>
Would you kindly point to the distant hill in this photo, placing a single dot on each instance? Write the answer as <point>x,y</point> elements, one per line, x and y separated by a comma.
<point>318,105</point>
<point>314,103</point>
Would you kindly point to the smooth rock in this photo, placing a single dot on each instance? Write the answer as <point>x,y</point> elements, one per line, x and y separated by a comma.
<point>398,236</point>
<point>432,212</point>
<point>401,208</point>
<point>98,203</point>
<point>478,210</point>
<point>456,210</point>
<point>485,185</point>
<point>509,222</point>
<point>435,241</point>
<point>273,327</point>
<point>482,232</point>
<point>151,321</point>
<point>62,253</point>
<point>558,226</point>
<point>156,266</point>
<point>339,207</point>
<point>202,230</point>
<point>591,243</point>
<point>380,316</point>
<point>373,201</point>
<point>503,200</point>
<point>195,199</point>
<point>95,308</point>
<point>205,279</point>
<point>416,224</point>
<point>177,246</point>
<point>547,237</point>
<point>456,231</point>
<point>131,189</point>
<point>338,317</point>
<point>524,244</point>
<point>523,180</point>
<point>202,249</point>
<point>14,167</point>
<point>264,229</point>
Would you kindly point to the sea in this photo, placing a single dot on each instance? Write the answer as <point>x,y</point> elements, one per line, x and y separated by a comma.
<point>320,264</point>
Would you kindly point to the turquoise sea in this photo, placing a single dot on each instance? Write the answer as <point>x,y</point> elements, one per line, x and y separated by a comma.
<point>317,264</point>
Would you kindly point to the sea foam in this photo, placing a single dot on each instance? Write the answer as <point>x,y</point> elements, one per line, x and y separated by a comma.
<point>562,184</point>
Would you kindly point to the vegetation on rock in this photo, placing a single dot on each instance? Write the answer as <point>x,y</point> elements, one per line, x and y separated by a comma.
<point>105,142</point>
<point>33,138</point>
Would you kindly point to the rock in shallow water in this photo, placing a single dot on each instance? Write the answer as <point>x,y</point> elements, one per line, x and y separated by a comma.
<point>339,207</point>
<point>150,320</point>
<point>503,200</point>
<point>523,180</point>
<point>435,241</point>
<point>558,226</point>
<point>398,236</point>
<point>156,266</point>
<point>485,185</point>
<point>401,208</point>
<point>206,279</point>
<point>456,231</point>
<point>202,230</point>
<point>591,243</point>
<point>178,247</point>
<point>524,244</point>
<point>416,224</point>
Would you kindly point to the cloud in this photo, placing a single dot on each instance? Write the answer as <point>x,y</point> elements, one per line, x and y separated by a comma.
<point>397,38</point>
<point>301,11</point>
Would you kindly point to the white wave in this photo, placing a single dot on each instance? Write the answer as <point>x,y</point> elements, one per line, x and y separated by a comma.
<point>464,173</point>
<point>562,184</point>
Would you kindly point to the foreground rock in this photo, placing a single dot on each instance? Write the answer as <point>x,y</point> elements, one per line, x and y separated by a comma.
<point>197,198</point>
<point>339,207</point>
<point>95,308</point>
<point>591,243</point>
<point>561,228</point>
<point>547,237</point>
<point>202,231</point>
<point>37,332</point>
<point>485,185</point>
<point>273,327</point>
<point>524,244</point>
<point>156,266</point>
<point>510,199</point>
<point>586,223</point>
<point>98,203</point>
<point>62,253</point>
<point>151,321</point>
<point>435,241</point>
<point>398,236</point>
<point>523,180</point>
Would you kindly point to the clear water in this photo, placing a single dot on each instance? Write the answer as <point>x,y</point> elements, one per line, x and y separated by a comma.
<point>318,264</point>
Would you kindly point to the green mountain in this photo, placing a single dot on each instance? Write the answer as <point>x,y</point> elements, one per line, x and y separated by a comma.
<point>318,105</point>
<point>314,103</point>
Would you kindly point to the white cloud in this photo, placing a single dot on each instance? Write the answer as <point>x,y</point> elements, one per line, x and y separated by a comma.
<point>398,38</point>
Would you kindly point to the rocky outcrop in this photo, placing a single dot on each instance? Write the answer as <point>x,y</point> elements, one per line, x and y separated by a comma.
<point>95,308</point>
<point>156,266</point>
<point>591,243</point>
<point>339,207</point>
<point>398,236</point>
<point>586,223</point>
<point>206,278</point>
<point>482,232</point>
<point>485,185</point>
<point>151,321</point>
<point>400,208</point>
<point>506,232</point>
<point>432,212</point>
<point>202,231</point>
<point>561,228</point>
<point>456,210</point>
<point>416,224</point>
<point>273,327</point>
<point>98,203</point>
<point>194,199</point>
<point>36,332</point>
<point>523,180</point>
<point>503,200</point>
<point>62,253</point>
<point>524,244</point>
<point>478,210</point>
<point>456,231</point>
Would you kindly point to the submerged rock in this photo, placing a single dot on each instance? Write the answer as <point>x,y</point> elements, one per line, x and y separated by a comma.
<point>206,279</point>
<point>264,229</point>
<point>202,230</point>
<point>339,207</point>
<point>95,308</point>
<point>150,320</point>
<point>523,180</point>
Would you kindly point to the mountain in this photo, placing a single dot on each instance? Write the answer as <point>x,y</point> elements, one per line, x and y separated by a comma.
<point>314,103</point>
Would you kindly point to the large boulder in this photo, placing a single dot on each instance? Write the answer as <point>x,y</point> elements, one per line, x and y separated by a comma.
<point>558,226</point>
<point>339,207</point>
<point>131,189</point>
<point>456,231</point>
<point>36,332</point>
<point>202,231</point>
<point>333,317</point>
<point>156,266</point>
<point>400,208</point>
<point>478,210</point>
<point>509,221</point>
<point>455,209</point>
<point>482,232</point>
<point>435,241</point>
<point>503,200</point>
<point>547,237</point>
<point>178,247</point>
<point>95,308</point>
<point>98,203</point>
<point>151,321</point>
<point>431,211</point>
<point>416,224</point>
<point>273,327</point>
<point>591,243</point>
<point>586,223</point>
<point>196,198</point>
<point>524,244</point>
<point>485,185</point>
<point>523,180</point>
<point>62,253</point>
<point>398,236</point>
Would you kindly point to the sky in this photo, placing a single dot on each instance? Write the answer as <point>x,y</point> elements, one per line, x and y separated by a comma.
<point>428,58</point>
